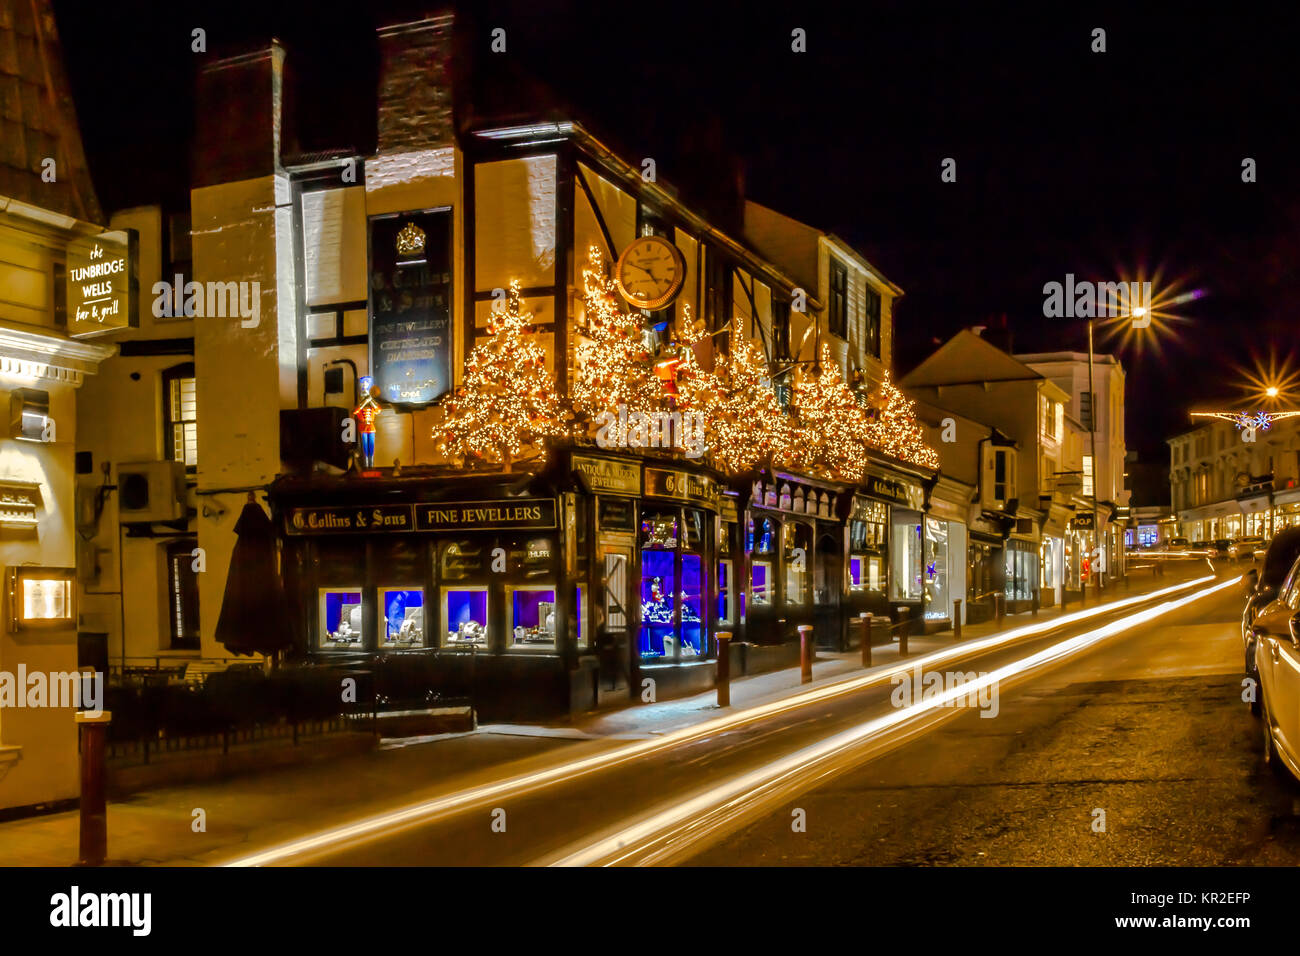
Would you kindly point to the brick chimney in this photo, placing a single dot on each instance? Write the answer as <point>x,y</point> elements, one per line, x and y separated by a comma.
<point>238,109</point>
<point>415,85</point>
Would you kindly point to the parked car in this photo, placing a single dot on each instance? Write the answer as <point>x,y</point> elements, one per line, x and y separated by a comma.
<point>1217,548</point>
<point>1276,633</point>
<point>1264,585</point>
<point>1245,547</point>
<point>1178,544</point>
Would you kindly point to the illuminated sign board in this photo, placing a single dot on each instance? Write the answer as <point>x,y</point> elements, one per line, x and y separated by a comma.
<point>102,285</point>
<point>410,306</point>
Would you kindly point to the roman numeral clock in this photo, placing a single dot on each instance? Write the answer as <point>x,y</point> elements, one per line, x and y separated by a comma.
<point>650,272</point>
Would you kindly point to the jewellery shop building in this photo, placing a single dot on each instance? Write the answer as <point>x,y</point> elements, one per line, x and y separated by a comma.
<point>539,595</point>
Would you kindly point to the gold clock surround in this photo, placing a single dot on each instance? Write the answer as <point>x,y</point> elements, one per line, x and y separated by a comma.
<point>637,248</point>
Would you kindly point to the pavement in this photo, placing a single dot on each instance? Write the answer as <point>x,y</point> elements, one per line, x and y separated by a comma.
<point>212,821</point>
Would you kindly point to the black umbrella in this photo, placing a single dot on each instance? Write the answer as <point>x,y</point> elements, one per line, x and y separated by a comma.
<point>254,619</point>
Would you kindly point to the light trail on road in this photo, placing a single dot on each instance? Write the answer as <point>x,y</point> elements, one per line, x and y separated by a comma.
<point>387,823</point>
<point>685,821</point>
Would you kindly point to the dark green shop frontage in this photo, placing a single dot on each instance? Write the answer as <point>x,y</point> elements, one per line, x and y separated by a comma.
<point>603,577</point>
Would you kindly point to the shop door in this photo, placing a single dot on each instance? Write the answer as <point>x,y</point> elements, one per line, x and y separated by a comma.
<point>613,642</point>
<point>828,587</point>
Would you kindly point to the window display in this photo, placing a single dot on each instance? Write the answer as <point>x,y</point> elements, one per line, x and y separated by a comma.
<point>724,592</point>
<point>798,557</point>
<point>659,529</point>
<point>465,611</point>
<point>403,617</point>
<point>658,586</point>
<point>692,606</point>
<point>532,617</point>
<point>580,612</point>
<point>908,583</point>
<point>938,597</point>
<point>342,614</point>
<point>760,583</point>
<point>1021,566</point>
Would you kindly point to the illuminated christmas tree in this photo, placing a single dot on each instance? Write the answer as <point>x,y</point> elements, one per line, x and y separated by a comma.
<point>507,399</point>
<point>830,424</point>
<point>613,364</point>
<point>747,428</point>
<point>895,430</point>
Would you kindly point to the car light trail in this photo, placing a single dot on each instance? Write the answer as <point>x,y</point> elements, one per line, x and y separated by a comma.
<point>388,822</point>
<point>666,829</point>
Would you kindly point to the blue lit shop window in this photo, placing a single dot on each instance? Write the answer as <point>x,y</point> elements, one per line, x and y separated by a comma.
<point>692,604</point>
<point>658,585</point>
<point>532,617</point>
<point>341,614</point>
<point>403,617</point>
<point>465,611</point>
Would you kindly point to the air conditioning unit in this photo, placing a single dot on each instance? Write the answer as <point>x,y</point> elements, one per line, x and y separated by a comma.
<point>151,491</point>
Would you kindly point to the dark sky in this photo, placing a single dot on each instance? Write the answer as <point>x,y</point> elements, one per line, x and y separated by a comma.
<point>1104,165</point>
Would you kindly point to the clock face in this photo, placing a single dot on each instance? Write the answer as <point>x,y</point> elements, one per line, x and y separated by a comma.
<point>650,272</point>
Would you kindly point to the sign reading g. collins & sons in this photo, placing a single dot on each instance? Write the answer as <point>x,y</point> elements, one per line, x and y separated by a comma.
<point>526,514</point>
<point>103,286</point>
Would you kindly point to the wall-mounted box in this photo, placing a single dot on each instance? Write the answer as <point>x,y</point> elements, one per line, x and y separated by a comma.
<point>29,415</point>
<point>40,598</point>
<point>151,491</point>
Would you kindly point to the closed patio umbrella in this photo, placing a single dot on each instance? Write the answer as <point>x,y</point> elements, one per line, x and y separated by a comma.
<point>254,618</point>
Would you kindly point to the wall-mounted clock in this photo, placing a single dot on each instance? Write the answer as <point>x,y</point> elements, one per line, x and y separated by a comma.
<point>650,272</point>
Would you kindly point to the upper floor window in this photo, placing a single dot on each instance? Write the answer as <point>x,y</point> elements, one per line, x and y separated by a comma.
<point>871,323</point>
<point>999,476</point>
<point>781,328</point>
<point>182,595</point>
<point>180,422</point>
<point>717,294</point>
<point>838,315</point>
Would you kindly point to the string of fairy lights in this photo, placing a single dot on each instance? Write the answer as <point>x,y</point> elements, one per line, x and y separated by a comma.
<point>508,405</point>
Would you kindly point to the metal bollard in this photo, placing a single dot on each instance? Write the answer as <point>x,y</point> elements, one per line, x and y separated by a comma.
<point>956,619</point>
<point>94,785</point>
<point>865,618</point>
<point>724,668</point>
<point>904,615</point>
<point>805,653</point>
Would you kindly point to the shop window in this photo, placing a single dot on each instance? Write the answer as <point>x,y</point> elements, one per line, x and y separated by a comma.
<point>658,589</point>
<point>403,624</point>
<point>183,595</point>
<point>532,617</point>
<point>692,606</point>
<point>798,556</point>
<point>857,565</point>
<point>906,560</point>
<point>342,618</point>
<point>180,423</point>
<point>460,560</point>
<point>659,529</point>
<point>937,594</point>
<point>760,583</point>
<point>580,611</point>
<point>694,525</point>
<point>465,610</point>
<point>725,596</point>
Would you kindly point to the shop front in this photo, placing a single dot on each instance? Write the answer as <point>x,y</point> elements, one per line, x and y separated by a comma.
<point>794,547</point>
<point>1021,574</point>
<point>985,575</point>
<point>944,555</point>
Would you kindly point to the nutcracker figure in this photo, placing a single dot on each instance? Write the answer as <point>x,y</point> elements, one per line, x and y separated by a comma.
<point>365,414</point>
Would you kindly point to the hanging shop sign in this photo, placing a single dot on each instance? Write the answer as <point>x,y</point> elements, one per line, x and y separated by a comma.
<point>102,283</point>
<point>410,306</point>
<point>681,485</point>
<point>1083,521</point>
<point>893,490</point>
<point>608,477</point>
<point>516,513</point>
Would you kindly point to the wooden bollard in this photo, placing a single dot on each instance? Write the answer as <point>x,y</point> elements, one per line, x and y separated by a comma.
<point>724,668</point>
<point>904,613</point>
<point>1000,608</point>
<point>805,653</point>
<point>956,619</point>
<point>865,618</point>
<point>94,786</point>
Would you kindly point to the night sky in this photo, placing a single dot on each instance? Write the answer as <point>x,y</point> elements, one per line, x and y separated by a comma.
<point>1104,165</point>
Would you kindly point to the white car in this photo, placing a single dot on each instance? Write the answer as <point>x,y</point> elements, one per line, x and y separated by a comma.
<point>1245,547</point>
